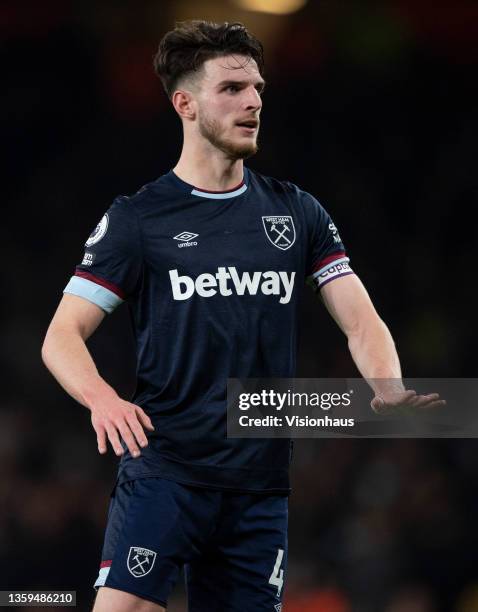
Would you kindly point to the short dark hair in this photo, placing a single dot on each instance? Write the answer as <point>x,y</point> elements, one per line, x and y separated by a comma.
<point>184,50</point>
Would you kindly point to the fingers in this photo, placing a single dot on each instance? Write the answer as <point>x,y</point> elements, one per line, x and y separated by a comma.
<point>127,425</point>
<point>437,404</point>
<point>408,399</point>
<point>101,439</point>
<point>114,438</point>
<point>430,401</point>
<point>137,430</point>
<point>144,418</point>
<point>423,400</point>
<point>129,439</point>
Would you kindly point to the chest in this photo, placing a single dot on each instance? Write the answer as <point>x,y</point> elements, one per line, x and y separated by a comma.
<point>249,234</point>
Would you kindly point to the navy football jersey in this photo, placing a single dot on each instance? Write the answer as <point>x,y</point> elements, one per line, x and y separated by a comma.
<point>212,280</point>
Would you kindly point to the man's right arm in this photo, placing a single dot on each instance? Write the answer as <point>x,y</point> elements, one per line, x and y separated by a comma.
<point>65,354</point>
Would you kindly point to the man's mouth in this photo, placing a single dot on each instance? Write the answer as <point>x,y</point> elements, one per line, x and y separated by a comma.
<point>249,123</point>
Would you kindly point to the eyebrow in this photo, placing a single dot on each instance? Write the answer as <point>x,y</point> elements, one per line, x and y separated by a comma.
<point>228,82</point>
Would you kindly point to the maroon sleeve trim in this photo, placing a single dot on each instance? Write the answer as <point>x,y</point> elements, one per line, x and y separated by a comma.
<point>323,262</point>
<point>104,283</point>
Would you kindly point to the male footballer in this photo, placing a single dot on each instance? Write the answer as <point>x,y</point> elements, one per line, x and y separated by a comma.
<point>210,258</point>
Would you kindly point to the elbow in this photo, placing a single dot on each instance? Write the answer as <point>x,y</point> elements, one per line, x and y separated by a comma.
<point>45,349</point>
<point>50,343</point>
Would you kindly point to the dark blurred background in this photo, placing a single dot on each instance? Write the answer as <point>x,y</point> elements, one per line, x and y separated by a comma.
<point>370,106</point>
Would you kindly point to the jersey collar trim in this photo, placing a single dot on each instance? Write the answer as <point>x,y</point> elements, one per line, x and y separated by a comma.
<point>212,195</point>
<point>220,195</point>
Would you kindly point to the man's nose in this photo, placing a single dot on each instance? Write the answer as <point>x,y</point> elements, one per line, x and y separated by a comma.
<point>253,99</point>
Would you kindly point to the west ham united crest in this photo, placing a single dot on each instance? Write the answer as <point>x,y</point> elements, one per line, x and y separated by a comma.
<point>280,231</point>
<point>140,561</point>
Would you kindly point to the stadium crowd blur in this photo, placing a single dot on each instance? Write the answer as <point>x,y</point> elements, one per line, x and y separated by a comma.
<point>369,106</point>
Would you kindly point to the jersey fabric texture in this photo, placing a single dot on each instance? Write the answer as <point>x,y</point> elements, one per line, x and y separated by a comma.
<point>233,547</point>
<point>213,284</point>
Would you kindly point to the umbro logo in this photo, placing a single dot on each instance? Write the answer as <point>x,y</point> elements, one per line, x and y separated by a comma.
<point>185,236</point>
<point>187,239</point>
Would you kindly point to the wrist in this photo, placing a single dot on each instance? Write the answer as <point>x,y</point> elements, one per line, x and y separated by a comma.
<point>97,392</point>
<point>384,386</point>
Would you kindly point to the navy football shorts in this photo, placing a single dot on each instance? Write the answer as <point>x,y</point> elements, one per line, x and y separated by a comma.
<point>233,546</point>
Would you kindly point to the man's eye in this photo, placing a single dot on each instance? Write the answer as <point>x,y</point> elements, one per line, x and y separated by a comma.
<point>233,88</point>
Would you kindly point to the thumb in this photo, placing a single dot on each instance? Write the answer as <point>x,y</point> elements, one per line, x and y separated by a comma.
<point>378,405</point>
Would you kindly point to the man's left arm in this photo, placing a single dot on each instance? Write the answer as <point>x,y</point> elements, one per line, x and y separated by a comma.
<point>371,345</point>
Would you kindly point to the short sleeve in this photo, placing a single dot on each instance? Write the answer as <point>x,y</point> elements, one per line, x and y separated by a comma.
<point>327,258</point>
<point>111,269</point>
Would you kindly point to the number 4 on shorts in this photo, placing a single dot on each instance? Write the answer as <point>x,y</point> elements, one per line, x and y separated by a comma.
<point>277,576</point>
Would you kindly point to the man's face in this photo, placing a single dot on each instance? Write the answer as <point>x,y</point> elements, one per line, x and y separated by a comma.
<point>229,104</point>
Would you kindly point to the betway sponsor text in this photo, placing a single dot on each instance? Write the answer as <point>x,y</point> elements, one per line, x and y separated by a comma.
<point>226,281</point>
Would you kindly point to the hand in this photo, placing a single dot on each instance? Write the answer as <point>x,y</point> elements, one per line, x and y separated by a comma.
<point>394,402</point>
<point>115,417</point>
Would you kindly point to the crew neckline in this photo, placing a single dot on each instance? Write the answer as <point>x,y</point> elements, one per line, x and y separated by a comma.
<point>212,195</point>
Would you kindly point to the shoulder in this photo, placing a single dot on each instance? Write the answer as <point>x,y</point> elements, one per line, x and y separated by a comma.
<point>269,183</point>
<point>149,194</point>
<point>286,188</point>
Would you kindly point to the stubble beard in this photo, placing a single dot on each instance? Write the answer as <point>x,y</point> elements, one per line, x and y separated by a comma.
<point>212,132</point>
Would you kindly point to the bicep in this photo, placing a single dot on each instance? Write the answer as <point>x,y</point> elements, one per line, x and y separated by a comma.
<point>348,302</point>
<point>76,314</point>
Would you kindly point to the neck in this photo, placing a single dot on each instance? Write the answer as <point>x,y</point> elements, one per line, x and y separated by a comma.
<point>205,167</point>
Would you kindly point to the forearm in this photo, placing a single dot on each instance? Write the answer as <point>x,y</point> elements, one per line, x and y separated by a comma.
<point>65,354</point>
<point>374,353</point>
<point>371,344</point>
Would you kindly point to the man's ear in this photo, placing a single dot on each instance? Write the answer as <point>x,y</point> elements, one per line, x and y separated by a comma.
<point>184,104</point>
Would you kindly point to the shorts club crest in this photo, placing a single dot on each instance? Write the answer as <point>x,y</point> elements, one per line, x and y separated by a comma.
<point>140,561</point>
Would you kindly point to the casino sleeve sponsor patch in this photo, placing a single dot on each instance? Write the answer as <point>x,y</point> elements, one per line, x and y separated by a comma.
<point>111,268</point>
